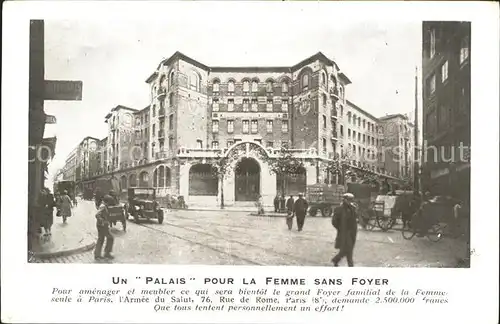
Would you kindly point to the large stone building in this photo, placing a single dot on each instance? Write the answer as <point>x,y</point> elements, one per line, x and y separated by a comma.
<point>446,108</point>
<point>200,115</point>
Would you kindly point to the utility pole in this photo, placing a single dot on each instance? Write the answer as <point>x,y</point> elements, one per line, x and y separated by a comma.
<point>416,167</point>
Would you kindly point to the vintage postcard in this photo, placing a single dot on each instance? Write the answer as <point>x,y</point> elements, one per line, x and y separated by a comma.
<point>231,162</point>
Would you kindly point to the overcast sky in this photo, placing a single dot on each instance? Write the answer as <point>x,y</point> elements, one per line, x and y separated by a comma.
<point>113,59</point>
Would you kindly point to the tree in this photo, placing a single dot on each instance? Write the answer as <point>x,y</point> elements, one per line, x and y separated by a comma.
<point>221,168</point>
<point>285,163</point>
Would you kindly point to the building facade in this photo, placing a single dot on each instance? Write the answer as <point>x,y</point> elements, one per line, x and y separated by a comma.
<point>397,141</point>
<point>446,108</point>
<point>199,116</point>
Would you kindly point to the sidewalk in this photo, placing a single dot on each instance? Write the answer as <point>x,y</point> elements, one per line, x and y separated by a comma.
<point>77,235</point>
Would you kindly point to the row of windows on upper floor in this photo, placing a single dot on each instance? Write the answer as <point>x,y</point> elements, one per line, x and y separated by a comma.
<point>249,85</point>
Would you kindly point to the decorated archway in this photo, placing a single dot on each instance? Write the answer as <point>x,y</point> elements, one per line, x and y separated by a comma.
<point>247,179</point>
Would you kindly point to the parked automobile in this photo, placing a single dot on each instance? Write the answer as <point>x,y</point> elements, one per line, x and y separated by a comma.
<point>142,204</point>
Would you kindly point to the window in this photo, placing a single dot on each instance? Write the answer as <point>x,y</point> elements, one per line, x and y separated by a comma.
<point>305,82</point>
<point>230,126</point>
<point>284,105</point>
<point>269,144</point>
<point>324,99</point>
<point>444,71</point>
<point>229,143</point>
<point>464,49</point>
<point>341,91</point>
<point>364,123</point>
<point>254,105</point>
<point>170,143</point>
<point>349,133</point>
<point>284,87</point>
<point>154,110</point>
<point>171,122</point>
<point>230,87</point>
<point>353,135</point>
<point>323,78</point>
<point>255,127</point>
<point>269,106</point>
<point>284,144</point>
<point>193,81</point>
<point>359,137</point>
<point>269,126</point>
<point>216,88</point>
<point>215,126</point>
<point>245,126</point>
<point>230,104</point>
<point>255,86</point>
<point>171,99</point>
<point>349,117</point>
<point>432,50</point>
<point>199,144</point>
<point>215,105</point>
<point>431,84</point>
<point>284,126</point>
<point>324,145</point>
<point>154,130</point>
<point>215,145</point>
<point>269,87</point>
<point>246,86</point>
<point>364,138</point>
<point>359,121</point>
<point>341,130</point>
<point>341,111</point>
<point>324,121</point>
<point>171,79</point>
<point>245,104</point>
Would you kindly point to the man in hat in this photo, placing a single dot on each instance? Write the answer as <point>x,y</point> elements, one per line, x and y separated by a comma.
<point>300,209</point>
<point>289,209</point>
<point>345,221</point>
<point>102,224</point>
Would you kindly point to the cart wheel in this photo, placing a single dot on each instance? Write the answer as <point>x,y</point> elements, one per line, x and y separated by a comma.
<point>370,221</point>
<point>313,212</point>
<point>383,222</point>
<point>408,231</point>
<point>435,233</point>
<point>160,217</point>
<point>326,211</point>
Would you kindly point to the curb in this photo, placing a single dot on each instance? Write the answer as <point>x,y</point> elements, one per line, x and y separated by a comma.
<point>47,255</point>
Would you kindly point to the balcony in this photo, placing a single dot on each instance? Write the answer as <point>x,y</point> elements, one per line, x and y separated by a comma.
<point>334,92</point>
<point>161,113</point>
<point>334,112</point>
<point>162,92</point>
<point>215,153</point>
<point>163,155</point>
<point>334,134</point>
<point>161,134</point>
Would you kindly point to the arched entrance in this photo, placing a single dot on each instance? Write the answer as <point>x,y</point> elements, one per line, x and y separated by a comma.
<point>144,179</point>
<point>247,180</point>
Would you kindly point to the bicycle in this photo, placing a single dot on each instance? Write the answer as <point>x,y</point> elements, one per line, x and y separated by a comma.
<point>435,232</point>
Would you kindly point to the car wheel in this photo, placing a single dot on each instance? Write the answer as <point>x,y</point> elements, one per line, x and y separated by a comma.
<point>327,211</point>
<point>313,212</point>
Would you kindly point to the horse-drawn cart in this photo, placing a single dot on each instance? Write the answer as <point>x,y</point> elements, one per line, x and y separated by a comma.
<point>118,214</point>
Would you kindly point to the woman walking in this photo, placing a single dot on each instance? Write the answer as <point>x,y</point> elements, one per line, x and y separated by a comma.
<point>47,211</point>
<point>65,206</point>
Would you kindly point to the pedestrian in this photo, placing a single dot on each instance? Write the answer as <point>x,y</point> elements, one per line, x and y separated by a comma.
<point>344,220</point>
<point>282,208</point>
<point>289,210</point>
<point>260,206</point>
<point>300,209</point>
<point>65,206</point>
<point>102,224</point>
<point>276,203</point>
<point>98,198</point>
<point>48,212</point>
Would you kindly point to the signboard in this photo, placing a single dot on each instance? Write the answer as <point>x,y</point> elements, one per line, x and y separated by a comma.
<point>49,119</point>
<point>63,90</point>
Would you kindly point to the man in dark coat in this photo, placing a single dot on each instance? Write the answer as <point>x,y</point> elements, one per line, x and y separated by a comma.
<point>98,195</point>
<point>300,209</point>
<point>103,224</point>
<point>282,208</point>
<point>289,212</point>
<point>345,221</point>
<point>276,203</point>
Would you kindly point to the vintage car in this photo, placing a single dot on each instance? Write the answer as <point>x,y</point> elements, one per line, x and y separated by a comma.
<point>142,204</point>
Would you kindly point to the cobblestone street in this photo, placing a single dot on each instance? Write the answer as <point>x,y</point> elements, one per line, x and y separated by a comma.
<point>224,238</point>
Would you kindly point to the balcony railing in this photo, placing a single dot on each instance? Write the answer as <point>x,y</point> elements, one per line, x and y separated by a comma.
<point>161,113</point>
<point>334,134</point>
<point>334,92</point>
<point>163,155</point>
<point>161,134</point>
<point>162,92</point>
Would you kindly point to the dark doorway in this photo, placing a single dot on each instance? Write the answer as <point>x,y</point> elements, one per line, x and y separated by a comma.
<point>247,180</point>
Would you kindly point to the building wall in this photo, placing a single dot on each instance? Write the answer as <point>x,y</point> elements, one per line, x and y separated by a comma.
<point>446,103</point>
